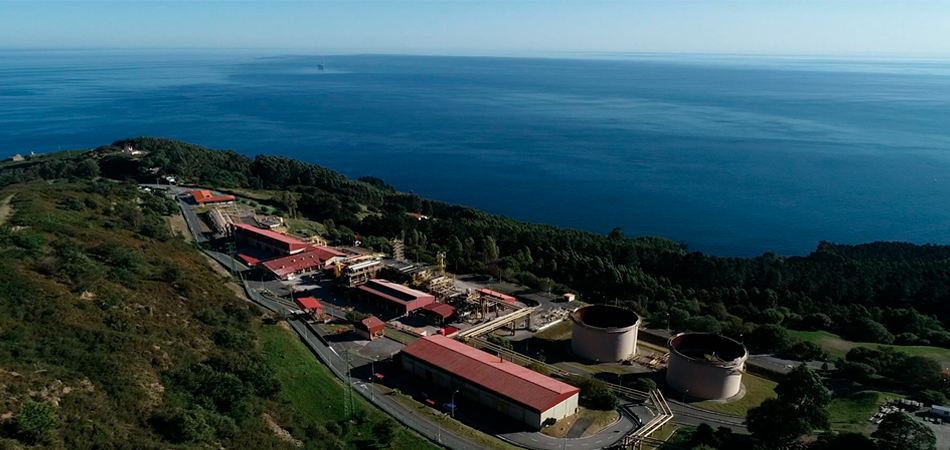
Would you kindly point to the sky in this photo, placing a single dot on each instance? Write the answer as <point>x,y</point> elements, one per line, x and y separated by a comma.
<point>776,27</point>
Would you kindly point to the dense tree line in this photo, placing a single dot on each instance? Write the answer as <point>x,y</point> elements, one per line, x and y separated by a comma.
<point>881,292</point>
<point>800,410</point>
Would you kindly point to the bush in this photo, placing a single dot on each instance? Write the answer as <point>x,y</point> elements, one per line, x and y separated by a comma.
<point>36,420</point>
<point>179,425</point>
<point>355,316</point>
<point>807,351</point>
<point>929,397</point>
<point>596,392</point>
<point>501,342</point>
<point>643,384</point>
<point>604,400</point>
<point>859,372</point>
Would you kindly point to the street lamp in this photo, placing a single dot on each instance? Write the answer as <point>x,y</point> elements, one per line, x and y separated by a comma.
<point>438,420</point>
<point>667,322</point>
<point>684,395</point>
<point>453,403</point>
<point>372,377</point>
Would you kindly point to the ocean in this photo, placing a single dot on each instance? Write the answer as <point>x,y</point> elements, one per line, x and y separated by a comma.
<point>732,155</point>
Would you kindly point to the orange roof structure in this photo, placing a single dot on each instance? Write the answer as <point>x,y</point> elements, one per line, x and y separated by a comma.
<point>309,303</point>
<point>441,309</point>
<point>525,386</point>
<point>204,196</point>
<point>497,295</point>
<point>372,324</point>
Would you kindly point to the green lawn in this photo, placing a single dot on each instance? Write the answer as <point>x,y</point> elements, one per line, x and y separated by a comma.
<point>665,433</point>
<point>559,332</point>
<point>851,412</point>
<point>312,391</point>
<point>757,390</point>
<point>836,346</point>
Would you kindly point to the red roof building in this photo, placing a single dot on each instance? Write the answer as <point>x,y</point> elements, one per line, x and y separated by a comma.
<point>268,240</point>
<point>439,312</point>
<point>370,328</point>
<point>205,197</point>
<point>394,297</point>
<point>481,377</point>
<point>497,295</point>
<point>249,260</point>
<point>286,267</point>
<point>310,303</point>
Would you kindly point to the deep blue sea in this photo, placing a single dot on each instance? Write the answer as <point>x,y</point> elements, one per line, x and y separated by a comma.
<point>732,155</point>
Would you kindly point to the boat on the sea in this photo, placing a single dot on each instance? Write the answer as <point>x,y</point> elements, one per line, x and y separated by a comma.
<point>320,66</point>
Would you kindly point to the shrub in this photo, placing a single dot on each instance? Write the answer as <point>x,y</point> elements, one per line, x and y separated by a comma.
<point>930,397</point>
<point>643,384</point>
<point>36,420</point>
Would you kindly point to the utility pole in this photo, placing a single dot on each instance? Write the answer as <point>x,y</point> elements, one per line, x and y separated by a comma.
<point>454,406</point>
<point>372,379</point>
<point>348,407</point>
<point>231,250</point>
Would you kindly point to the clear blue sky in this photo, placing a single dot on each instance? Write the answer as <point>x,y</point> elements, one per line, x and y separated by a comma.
<point>890,27</point>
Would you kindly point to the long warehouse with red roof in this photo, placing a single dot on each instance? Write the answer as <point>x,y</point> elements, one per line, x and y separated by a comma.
<point>506,387</point>
<point>268,240</point>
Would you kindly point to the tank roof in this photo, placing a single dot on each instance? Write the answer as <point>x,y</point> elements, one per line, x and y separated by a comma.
<point>713,348</point>
<point>605,317</point>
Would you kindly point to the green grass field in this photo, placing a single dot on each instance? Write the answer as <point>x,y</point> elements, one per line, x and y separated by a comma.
<point>312,391</point>
<point>851,412</point>
<point>836,346</point>
<point>757,391</point>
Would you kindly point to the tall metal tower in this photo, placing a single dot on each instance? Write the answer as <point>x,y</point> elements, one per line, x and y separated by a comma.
<point>399,249</point>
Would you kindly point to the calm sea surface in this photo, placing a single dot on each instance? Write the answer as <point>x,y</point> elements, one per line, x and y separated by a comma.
<point>733,155</point>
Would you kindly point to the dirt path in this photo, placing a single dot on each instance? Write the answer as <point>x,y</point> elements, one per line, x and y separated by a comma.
<point>5,209</point>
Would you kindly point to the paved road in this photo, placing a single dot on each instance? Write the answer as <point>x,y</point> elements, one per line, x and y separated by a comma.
<point>194,223</point>
<point>692,416</point>
<point>608,436</point>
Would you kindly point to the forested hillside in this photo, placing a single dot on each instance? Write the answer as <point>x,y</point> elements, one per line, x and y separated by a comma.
<point>114,334</point>
<point>877,292</point>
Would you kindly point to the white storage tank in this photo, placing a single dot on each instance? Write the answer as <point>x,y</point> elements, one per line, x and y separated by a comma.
<point>706,366</point>
<point>603,333</point>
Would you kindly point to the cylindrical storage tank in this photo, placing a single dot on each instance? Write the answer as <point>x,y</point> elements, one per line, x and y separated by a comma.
<point>706,366</point>
<point>604,333</point>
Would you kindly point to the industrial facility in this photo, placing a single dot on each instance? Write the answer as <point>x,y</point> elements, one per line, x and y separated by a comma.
<point>504,386</point>
<point>603,333</point>
<point>393,297</point>
<point>706,366</point>
<point>268,240</point>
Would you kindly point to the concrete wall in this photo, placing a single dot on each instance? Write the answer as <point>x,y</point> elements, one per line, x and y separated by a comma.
<point>691,372</point>
<point>701,379</point>
<point>485,397</point>
<point>564,409</point>
<point>597,344</point>
<point>612,343</point>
